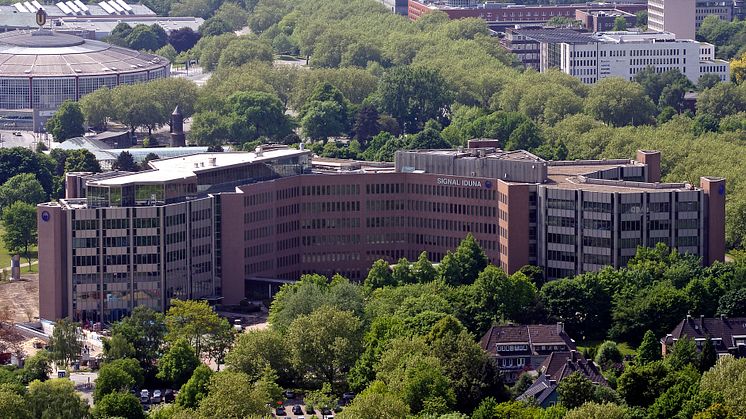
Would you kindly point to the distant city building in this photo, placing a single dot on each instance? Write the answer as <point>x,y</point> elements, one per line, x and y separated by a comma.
<point>523,348</point>
<point>504,15</point>
<point>555,368</point>
<point>683,17</point>
<point>396,6</point>
<point>40,69</point>
<point>90,21</point>
<point>604,20</point>
<point>228,226</point>
<point>592,57</point>
<point>728,335</point>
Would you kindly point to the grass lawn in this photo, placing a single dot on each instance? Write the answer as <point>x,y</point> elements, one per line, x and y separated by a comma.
<point>5,256</point>
<point>623,346</point>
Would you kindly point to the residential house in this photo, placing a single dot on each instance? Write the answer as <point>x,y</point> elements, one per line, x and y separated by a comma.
<point>728,334</point>
<point>520,348</point>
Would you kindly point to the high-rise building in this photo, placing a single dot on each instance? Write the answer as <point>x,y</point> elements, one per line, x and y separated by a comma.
<point>226,226</point>
<point>683,17</point>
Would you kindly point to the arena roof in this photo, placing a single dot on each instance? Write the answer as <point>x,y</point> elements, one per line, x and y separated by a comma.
<point>43,53</point>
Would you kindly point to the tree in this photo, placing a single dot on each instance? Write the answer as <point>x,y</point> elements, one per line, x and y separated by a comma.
<point>325,343</point>
<point>428,138</point>
<point>708,357</point>
<point>401,273</point>
<point>684,353</point>
<point>619,102</point>
<point>423,270</point>
<point>13,406</point>
<point>634,311</point>
<point>728,378</point>
<point>36,367</point>
<point>707,81</point>
<point>81,160</point>
<point>257,114</point>
<point>22,187</point>
<point>379,275</point>
<point>609,356</point>
<point>112,379</point>
<point>322,120</point>
<point>733,303</point>
<point>196,388</point>
<point>640,385</point>
<point>96,107</point>
<point>593,410</point>
<point>125,162</point>
<point>145,329</point>
<point>413,96</point>
<point>178,364</point>
<point>738,69</point>
<point>143,38</point>
<point>67,121</point>
<point>525,137</point>
<point>192,321</point>
<point>138,105</point>
<point>183,39</point>
<point>214,26</point>
<point>232,395</point>
<point>18,160</point>
<point>64,346</point>
<point>124,405</point>
<point>256,349</point>
<point>575,390</point>
<point>722,100</point>
<point>118,347</point>
<point>649,350</point>
<point>19,228</point>
<point>366,124</point>
<point>642,19</point>
<point>269,390</point>
<point>375,405</point>
<point>244,50</point>
<point>220,341</point>
<point>620,24</point>
<point>465,264</point>
<point>55,398</point>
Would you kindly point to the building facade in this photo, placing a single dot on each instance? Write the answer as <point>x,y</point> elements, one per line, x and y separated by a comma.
<point>592,57</point>
<point>683,17</point>
<point>604,20</point>
<point>728,335</point>
<point>226,226</point>
<point>500,16</point>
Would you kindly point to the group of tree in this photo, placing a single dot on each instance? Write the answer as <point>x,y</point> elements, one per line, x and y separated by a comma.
<point>141,37</point>
<point>143,105</point>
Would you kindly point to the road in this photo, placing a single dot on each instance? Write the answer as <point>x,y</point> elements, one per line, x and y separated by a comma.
<point>27,139</point>
<point>195,74</point>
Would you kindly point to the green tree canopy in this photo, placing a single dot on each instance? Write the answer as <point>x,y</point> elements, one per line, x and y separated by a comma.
<point>64,345</point>
<point>413,96</point>
<point>22,187</point>
<point>619,103</point>
<point>196,388</point>
<point>178,363</point>
<point>67,121</point>
<point>114,405</point>
<point>55,398</point>
<point>649,350</point>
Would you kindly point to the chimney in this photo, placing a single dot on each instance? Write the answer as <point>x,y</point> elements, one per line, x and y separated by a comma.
<point>212,161</point>
<point>702,322</point>
<point>723,317</point>
<point>560,327</point>
<point>688,318</point>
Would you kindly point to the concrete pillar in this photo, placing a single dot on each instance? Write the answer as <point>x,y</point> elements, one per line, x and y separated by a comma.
<point>714,189</point>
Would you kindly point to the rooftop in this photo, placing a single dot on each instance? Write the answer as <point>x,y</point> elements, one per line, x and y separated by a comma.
<point>184,167</point>
<point>556,35</point>
<point>483,152</point>
<point>47,53</point>
<point>530,334</point>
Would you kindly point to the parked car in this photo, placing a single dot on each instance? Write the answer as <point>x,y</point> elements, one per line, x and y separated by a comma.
<point>297,410</point>
<point>144,396</point>
<point>280,411</point>
<point>17,133</point>
<point>156,396</point>
<point>289,394</point>
<point>169,396</point>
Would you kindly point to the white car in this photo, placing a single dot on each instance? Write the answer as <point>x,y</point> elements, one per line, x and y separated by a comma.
<point>156,396</point>
<point>144,396</point>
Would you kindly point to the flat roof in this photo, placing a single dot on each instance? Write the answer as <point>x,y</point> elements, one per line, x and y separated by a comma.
<point>185,167</point>
<point>556,35</point>
<point>571,176</point>
<point>489,153</point>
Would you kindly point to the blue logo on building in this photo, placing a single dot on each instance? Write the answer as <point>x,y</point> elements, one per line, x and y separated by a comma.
<point>45,216</point>
<point>721,189</point>
<point>488,184</point>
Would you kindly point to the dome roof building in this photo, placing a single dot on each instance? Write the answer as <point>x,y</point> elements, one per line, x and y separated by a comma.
<point>41,69</point>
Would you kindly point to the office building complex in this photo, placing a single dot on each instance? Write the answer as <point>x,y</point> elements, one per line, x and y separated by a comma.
<point>504,15</point>
<point>683,17</point>
<point>226,226</point>
<point>41,69</point>
<point>592,57</point>
<point>604,20</point>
